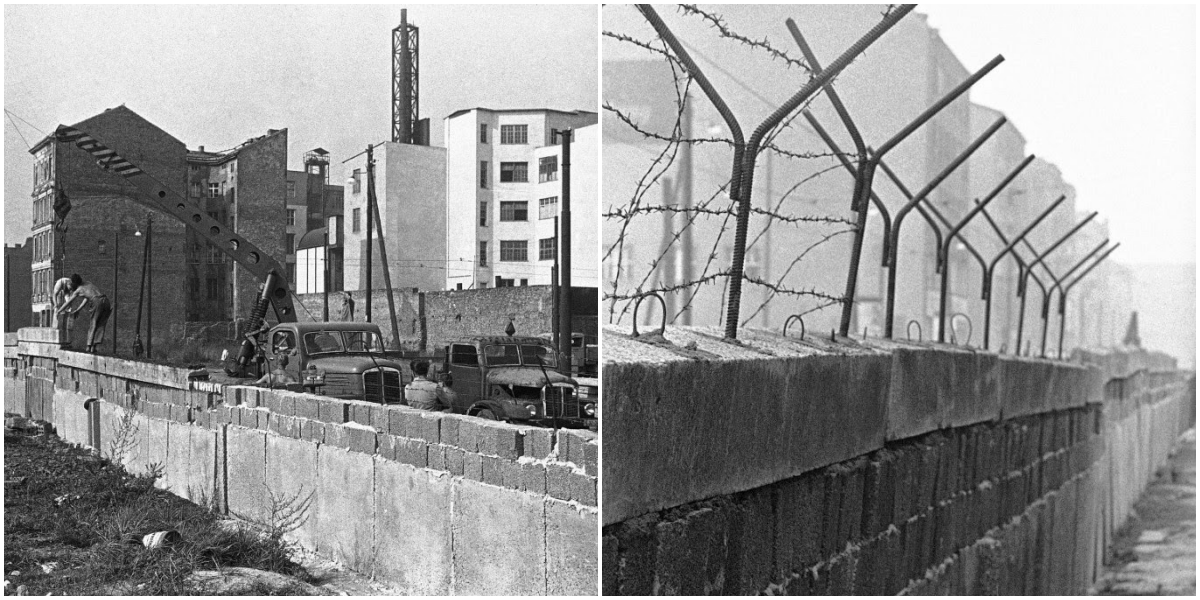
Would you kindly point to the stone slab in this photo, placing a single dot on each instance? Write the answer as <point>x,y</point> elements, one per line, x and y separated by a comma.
<point>499,541</point>
<point>413,528</point>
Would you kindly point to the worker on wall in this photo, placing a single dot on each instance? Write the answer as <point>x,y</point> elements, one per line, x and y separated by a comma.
<point>84,294</point>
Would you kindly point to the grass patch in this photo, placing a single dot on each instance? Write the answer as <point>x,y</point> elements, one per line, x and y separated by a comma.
<point>73,524</point>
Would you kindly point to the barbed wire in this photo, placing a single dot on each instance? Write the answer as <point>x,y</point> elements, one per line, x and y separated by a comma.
<point>716,22</point>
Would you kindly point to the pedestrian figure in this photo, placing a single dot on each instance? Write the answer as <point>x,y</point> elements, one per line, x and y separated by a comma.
<point>422,393</point>
<point>84,294</point>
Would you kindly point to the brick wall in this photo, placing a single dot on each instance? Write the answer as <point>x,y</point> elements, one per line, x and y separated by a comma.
<point>452,314</point>
<point>260,211</point>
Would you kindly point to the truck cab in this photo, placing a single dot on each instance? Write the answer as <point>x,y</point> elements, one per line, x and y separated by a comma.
<point>349,355</point>
<point>512,379</point>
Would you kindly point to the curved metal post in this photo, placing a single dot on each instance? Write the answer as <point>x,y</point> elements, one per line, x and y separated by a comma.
<point>944,250</point>
<point>1062,298</point>
<point>889,315</point>
<point>1037,260</point>
<point>987,295</point>
<point>987,276</point>
<point>1057,283</point>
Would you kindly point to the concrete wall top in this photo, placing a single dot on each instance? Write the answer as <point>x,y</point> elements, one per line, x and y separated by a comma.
<point>47,335</point>
<point>690,416</point>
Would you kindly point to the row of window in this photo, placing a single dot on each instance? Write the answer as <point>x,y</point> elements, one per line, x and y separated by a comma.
<point>42,285</point>
<point>215,190</point>
<point>43,245</point>
<point>518,250</point>
<point>43,209</point>
<point>518,172</point>
<point>519,210</point>
<point>509,134</point>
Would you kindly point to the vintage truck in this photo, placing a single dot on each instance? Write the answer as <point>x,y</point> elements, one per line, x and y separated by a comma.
<point>512,378</point>
<point>348,355</point>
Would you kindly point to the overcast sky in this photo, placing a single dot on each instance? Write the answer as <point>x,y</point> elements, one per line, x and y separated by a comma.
<point>216,75</point>
<point>1108,93</point>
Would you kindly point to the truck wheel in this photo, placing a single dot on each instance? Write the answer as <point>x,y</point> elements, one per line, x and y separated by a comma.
<point>487,414</point>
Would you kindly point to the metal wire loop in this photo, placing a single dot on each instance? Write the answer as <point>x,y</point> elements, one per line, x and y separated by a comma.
<point>920,334</point>
<point>788,322</point>
<point>637,304</point>
<point>954,330</point>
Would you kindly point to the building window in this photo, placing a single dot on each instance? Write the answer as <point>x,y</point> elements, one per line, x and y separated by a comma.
<point>514,172</point>
<point>483,133</point>
<point>355,215</point>
<point>291,215</point>
<point>483,253</point>
<point>101,247</point>
<point>483,176</point>
<point>547,247</point>
<point>548,169</point>
<point>215,257</point>
<point>214,288</point>
<point>514,211</point>
<point>195,189</point>
<point>483,210</point>
<point>514,134</point>
<point>514,250</point>
<point>291,187</point>
<point>524,282</point>
<point>502,282</point>
<point>214,190</point>
<point>290,243</point>
<point>548,207</point>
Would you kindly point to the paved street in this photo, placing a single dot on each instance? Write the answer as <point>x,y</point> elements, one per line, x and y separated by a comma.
<point>1157,554</point>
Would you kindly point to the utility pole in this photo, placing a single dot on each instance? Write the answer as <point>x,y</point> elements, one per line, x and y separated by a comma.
<point>116,265</point>
<point>387,271</point>
<point>149,283</point>
<point>370,160</point>
<point>564,271</point>
<point>324,254</point>
<point>554,287</point>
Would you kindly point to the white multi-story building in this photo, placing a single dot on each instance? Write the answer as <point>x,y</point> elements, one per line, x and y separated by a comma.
<point>504,189</point>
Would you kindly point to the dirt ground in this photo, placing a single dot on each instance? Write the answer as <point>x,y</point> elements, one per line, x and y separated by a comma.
<point>74,525</point>
<point>1156,553</point>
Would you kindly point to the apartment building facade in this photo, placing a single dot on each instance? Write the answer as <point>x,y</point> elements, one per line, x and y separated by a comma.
<point>504,189</point>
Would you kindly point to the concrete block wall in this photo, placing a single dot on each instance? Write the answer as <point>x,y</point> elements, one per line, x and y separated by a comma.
<point>870,466</point>
<point>436,503</point>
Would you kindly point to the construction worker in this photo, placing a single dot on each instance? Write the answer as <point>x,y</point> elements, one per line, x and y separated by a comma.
<point>83,294</point>
<point>423,393</point>
<point>62,288</point>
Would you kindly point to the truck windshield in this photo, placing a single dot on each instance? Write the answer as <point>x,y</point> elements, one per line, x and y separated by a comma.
<point>532,355</point>
<point>326,342</point>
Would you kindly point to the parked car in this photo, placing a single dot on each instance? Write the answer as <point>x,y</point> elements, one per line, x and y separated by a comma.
<point>512,378</point>
<point>342,360</point>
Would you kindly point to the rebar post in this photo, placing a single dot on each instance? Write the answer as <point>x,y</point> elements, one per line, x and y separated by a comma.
<point>986,295</point>
<point>1024,270</point>
<point>1021,281</point>
<point>944,251</point>
<point>1062,297</point>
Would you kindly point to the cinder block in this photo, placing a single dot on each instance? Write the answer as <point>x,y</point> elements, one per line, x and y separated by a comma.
<point>473,466</point>
<point>798,526</point>
<point>307,407</point>
<point>538,442</point>
<point>412,452</point>
<point>637,543</point>
<point>469,430</point>
<point>332,411</point>
<point>608,565</point>
<point>455,460</point>
<point>449,430</point>
<point>379,418</point>
<point>493,470</point>
<point>312,431</point>
<point>512,475</point>
<point>436,457</point>
<point>422,425</point>
<point>361,440</point>
<point>842,574</point>
<point>691,553</point>
<point>396,422</point>
<point>582,488</point>
<point>591,457</point>
<point>533,478</point>
<point>748,569</point>
<point>337,436</point>
<point>558,481</point>
<point>505,442</point>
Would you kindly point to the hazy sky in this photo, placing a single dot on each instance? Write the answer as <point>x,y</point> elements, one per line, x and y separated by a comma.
<point>216,75</point>
<point>1108,93</point>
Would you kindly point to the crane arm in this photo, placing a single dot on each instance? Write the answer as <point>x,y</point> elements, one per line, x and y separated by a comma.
<point>159,197</point>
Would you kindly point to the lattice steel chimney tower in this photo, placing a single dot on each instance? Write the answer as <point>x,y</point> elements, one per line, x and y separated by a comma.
<point>407,128</point>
